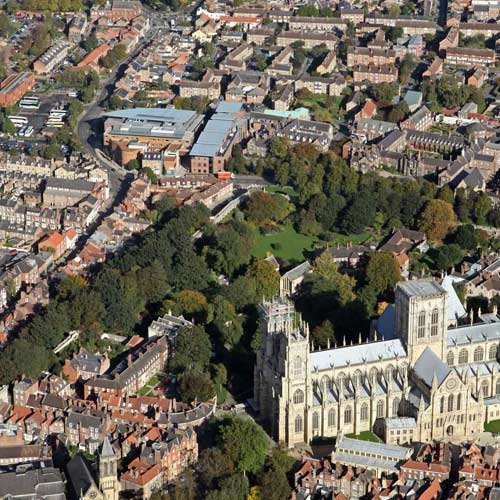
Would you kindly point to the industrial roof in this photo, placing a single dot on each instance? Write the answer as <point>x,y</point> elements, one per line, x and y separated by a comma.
<point>166,115</point>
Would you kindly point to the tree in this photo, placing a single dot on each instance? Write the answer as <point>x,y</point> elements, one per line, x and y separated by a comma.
<point>234,487</point>
<point>481,207</point>
<point>448,256</point>
<point>150,175</point>
<point>192,349</point>
<point>359,214</point>
<point>406,68</point>
<point>195,385</point>
<point>384,92</point>
<point>213,465</point>
<point>469,238</point>
<point>132,164</point>
<point>265,277</point>
<point>265,208</point>
<point>227,324</point>
<point>323,334</point>
<point>245,443</point>
<point>325,267</point>
<point>193,305</point>
<point>436,219</point>
<point>446,194</point>
<point>7,126</point>
<point>382,272</point>
<point>393,32</point>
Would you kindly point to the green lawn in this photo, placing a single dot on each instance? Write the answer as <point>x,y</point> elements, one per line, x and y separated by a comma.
<point>493,426</point>
<point>292,244</point>
<point>317,104</point>
<point>289,190</point>
<point>150,385</point>
<point>365,436</point>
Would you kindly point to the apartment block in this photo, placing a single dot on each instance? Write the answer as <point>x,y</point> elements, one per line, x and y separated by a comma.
<point>14,87</point>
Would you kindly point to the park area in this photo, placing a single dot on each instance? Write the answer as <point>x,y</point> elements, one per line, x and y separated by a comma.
<point>287,244</point>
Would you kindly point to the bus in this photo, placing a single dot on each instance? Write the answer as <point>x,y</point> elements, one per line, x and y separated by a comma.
<point>29,103</point>
<point>18,121</point>
<point>56,114</point>
<point>29,131</point>
<point>55,124</point>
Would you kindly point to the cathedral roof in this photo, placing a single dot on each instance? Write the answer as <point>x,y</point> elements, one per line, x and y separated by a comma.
<point>429,365</point>
<point>421,288</point>
<point>340,357</point>
<point>456,309</point>
<point>474,333</point>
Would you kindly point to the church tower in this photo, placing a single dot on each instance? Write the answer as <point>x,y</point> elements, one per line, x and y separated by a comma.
<point>108,472</point>
<point>422,317</point>
<point>282,372</point>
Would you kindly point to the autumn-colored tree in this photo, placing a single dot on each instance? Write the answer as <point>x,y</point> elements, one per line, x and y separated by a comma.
<point>436,219</point>
<point>193,305</point>
<point>265,277</point>
<point>325,267</point>
<point>382,272</point>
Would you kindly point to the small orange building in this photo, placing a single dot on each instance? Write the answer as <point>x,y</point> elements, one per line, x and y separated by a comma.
<point>55,243</point>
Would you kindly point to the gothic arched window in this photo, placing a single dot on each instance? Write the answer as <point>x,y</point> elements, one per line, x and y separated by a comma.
<point>298,397</point>
<point>331,417</point>
<point>450,402</point>
<point>434,322</point>
<point>485,387</point>
<point>395,407</point>
<point>492,353</point>
<point>297,367</point>
<point>380,409</point>
<point>298,423</point>
<point>478,353</point>
<point>450,358</point>
<point>364,412</point>
<point>497,387</point>
<point>421,325</point>
<point>463,357</point>
<point>348,415</point>
<point>315,420</point>
<point>441,405</point>
<point>459,402</point>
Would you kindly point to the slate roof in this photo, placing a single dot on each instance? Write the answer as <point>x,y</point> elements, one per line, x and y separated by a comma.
<point>358,354</point>
<point>429,365</point>
<point>33,484</point>
<point>80,477</point>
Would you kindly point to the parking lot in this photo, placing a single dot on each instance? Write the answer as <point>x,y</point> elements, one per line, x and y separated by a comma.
<point>38,117</point>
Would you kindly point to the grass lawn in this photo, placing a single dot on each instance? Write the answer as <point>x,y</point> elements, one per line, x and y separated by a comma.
<point>319,102</point>
<point>289,190</point>
<point>292,244</point>
<point>493,426</point>
<point>365,436</point>
<point>150,385</point>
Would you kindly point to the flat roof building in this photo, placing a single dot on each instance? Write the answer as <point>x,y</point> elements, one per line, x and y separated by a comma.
<point>155,128</point>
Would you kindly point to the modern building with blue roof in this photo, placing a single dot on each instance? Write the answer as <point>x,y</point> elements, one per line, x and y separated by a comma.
<point>152,128</point>
<point>214,145</point>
